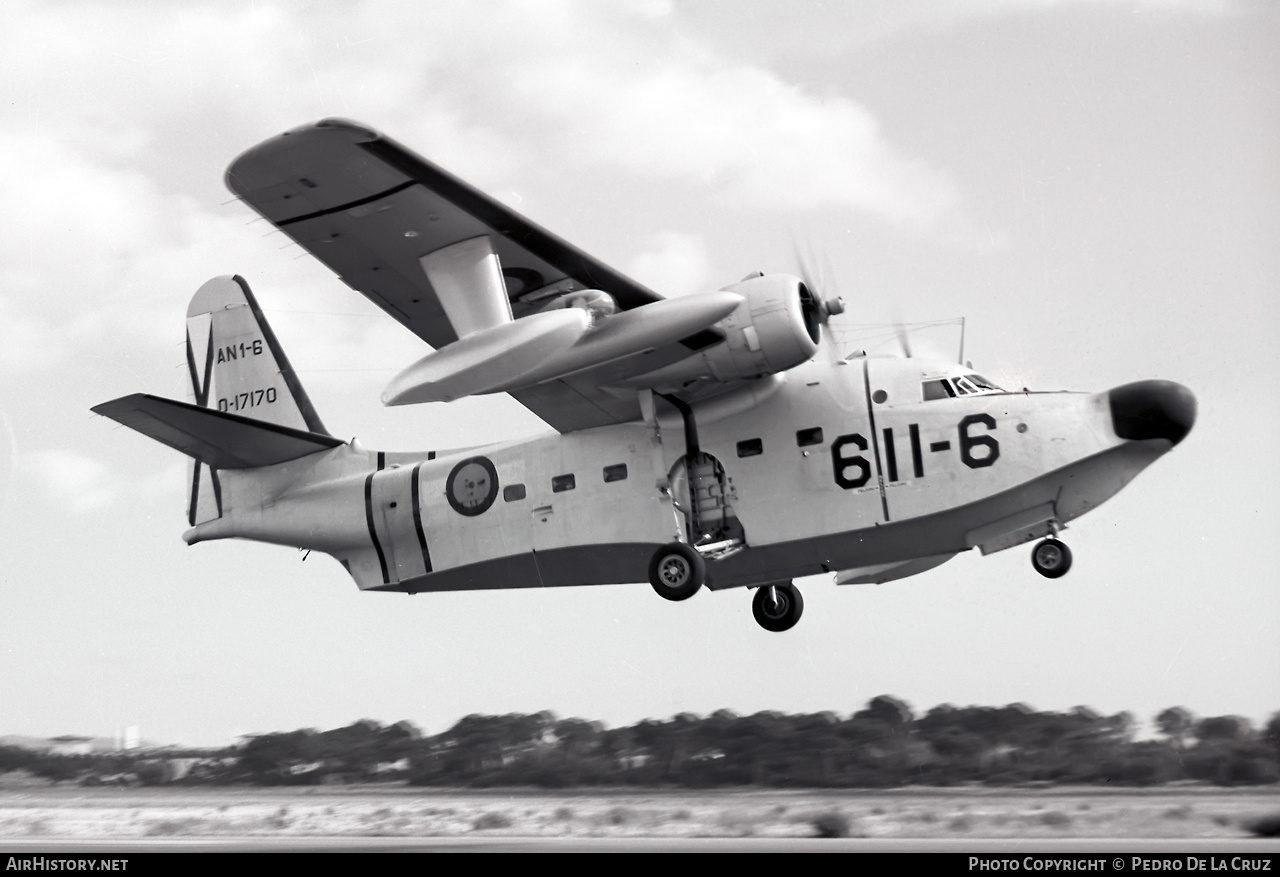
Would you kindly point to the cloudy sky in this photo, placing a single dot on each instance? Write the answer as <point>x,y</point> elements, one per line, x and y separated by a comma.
<point>1094,186</point>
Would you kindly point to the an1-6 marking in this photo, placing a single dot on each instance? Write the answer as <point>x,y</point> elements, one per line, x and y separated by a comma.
<point>977,451</point>
<point>251,399</point>
<point>240,351</point>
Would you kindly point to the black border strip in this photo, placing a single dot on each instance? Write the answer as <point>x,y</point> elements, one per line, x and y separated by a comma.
<point>415,499</point>
<point>373,531</point>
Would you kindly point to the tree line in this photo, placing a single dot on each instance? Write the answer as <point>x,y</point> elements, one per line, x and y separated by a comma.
<point>883,745</point>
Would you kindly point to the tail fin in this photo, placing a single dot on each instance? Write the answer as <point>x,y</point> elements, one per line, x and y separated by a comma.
<point>250,410</point>
<point>236,364</point>
<point>237,367</point>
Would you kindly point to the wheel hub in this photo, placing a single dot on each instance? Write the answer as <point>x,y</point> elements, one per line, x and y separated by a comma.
<point>675,571</point>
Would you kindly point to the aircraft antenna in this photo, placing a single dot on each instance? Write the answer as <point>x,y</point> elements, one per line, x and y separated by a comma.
<point>904,337</point>
<point>961,359</point>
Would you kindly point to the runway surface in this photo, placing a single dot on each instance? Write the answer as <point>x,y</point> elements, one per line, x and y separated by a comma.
<point>1107,846</point>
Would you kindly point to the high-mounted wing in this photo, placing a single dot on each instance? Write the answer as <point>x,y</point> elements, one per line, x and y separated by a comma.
<point>371,210</point>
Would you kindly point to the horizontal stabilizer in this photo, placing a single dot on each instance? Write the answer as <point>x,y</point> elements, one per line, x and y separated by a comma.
<point>220,439</point>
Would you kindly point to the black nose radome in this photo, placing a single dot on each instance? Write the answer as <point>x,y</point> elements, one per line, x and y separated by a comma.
<point>1153,409</point>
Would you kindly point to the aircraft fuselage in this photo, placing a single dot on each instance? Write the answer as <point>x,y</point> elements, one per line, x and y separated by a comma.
<point>837,465</point>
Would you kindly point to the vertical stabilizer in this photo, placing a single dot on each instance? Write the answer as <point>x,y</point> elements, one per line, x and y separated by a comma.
<point>236,366</point>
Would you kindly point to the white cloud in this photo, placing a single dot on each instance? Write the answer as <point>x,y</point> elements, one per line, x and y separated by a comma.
<point>80,484</point>
<point>69,479</point>
<point>120,118</point>
<point>673,264</point>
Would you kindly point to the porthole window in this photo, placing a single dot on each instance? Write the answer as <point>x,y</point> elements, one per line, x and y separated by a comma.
<point>561,483</point>
<point>750,448</point>
<point>879,396</point>
<point>806,437</point>
<point>513,492</point>
<point>615,473</point>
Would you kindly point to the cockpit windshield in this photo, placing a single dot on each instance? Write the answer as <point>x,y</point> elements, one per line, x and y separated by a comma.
<point>961,385</point>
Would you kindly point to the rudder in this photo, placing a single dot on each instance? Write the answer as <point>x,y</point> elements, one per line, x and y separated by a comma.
<point>236,366</point>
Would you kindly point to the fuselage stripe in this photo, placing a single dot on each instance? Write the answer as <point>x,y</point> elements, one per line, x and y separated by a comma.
<point>417,516</point>
<point>875,439</point>
<point>195,491</point>
<point>217,489</point>
<point>917,459</point>
<point>373,530</point>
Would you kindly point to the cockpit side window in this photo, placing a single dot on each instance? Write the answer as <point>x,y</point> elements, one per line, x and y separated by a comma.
<point>939,389</point>
<point>981,383</point>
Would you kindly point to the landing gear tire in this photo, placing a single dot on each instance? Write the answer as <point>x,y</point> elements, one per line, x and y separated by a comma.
<point>777,607</point>
<point>677,571</point>
<point>1051,558</point>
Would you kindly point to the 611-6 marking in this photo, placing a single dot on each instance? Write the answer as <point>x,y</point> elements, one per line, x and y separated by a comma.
<point>855,471</point>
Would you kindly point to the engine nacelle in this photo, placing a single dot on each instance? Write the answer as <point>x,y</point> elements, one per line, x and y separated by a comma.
<point>775,328</point>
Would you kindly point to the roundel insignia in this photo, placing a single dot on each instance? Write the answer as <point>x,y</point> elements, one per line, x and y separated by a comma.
<point>472,486</point>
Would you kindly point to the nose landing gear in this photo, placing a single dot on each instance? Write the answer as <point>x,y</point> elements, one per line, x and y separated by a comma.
<point>777,607</point>
<point>1051,558</point>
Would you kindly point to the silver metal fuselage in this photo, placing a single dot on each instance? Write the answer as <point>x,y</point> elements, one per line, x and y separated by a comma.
<point>836,465</point>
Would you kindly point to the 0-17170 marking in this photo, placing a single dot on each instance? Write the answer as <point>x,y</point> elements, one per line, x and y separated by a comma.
<point>976,451</point>
<point>250,399</point>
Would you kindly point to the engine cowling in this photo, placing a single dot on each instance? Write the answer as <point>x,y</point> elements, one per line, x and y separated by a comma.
<point>775,328</point>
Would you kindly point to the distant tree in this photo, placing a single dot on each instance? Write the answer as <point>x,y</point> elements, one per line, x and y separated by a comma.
<point>1271,734</point>
<point>578,737</point>
<point>1234,729</point>
<point>1176,723</point>
<point>887,710</point>
<point>273,759</point>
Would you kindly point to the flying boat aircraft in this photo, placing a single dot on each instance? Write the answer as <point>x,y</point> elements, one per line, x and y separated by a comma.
<point>718,440</point>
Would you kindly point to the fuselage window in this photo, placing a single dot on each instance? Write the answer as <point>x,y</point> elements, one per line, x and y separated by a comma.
<point>561,483</point>
<point>750,448</point>
<point>513,492</point>
<point>615,473</point>
<point>805,437</point>
<point>937,390</point>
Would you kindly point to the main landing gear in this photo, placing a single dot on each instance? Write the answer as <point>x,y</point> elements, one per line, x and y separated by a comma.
<point>1051,558</point>
<point>777,607</point>
<point>677,571</point>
